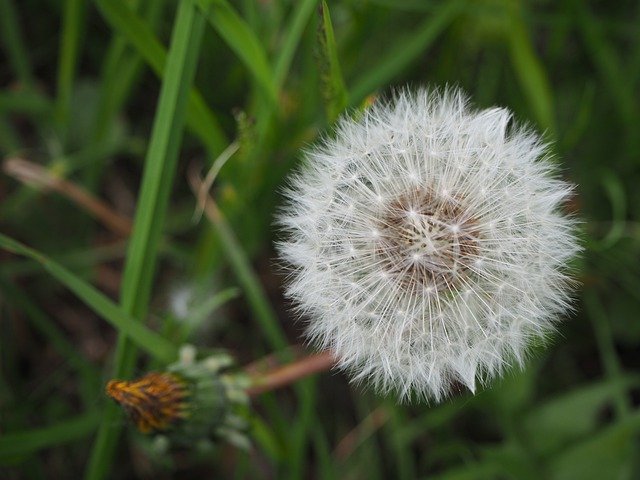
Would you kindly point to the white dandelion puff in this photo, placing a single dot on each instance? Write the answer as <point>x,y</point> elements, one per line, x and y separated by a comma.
<point>427,243</point>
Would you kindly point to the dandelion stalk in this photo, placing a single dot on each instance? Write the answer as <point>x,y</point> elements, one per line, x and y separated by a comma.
<point>287,374</point>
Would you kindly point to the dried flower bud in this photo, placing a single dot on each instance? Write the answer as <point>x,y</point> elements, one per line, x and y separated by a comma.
<point>194,401</point>
<point>427,243</point>
<point>154,402</point>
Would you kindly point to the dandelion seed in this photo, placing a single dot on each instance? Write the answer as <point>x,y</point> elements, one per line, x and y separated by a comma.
<point>461,245</point>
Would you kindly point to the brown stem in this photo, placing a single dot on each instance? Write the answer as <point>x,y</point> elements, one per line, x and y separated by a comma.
<point>286,375</point>
<point>34,174</point>
<point>273,361</point>
<point>352,440</point>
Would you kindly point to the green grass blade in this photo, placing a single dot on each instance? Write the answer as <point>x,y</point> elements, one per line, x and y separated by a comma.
<point>333,89</point>
<point>243,41</point>
<point>48,329</point>
<point>201,313</point>
<point>607,348</point>
<point>405,51</point>
<point>262,433</point>
<point>9,140</point>
<point>270,326</point>
<point>607,62</point>
<point>89,375</point>
<point>200,118</point>
<point>301,432</point>
<point>617,196</point>
<point>126,22</point>
<point>531,74</point>
<point>147,339</point>
<point>404,461</point>
<point>160,165</point>
<point>611,453</point>
<point>28,442</point>
<point>161,161</point>
<point>25,102</point>
<point>326,469</point>
<point>301,16</point>
<point>550,426</point>
<point>13,42</point>
<point>72,22</point>
<point>116,86</point>
<point>121,71</point>
<point>257,298</point>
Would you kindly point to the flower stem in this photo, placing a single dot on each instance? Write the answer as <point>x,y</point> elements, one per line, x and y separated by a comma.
<point>31,173</point>
<point>286,375</point>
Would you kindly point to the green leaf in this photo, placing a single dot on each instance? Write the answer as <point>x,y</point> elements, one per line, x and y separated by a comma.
<point>531,73</point>
<point>609,454</point>
<point>18,444</point>
<point>145,338</point>
<point>607,62</point>
<point>570,416</point>
<point>13,41</point>
<point>400,55</point>
<point>199,117</point>
<point>334,91</point>
<point>72,23</point>
<point>250,283</point>
<point>157,181</point>
<point>304,9</point>
<point>25,102</point>
<point>243,41</point>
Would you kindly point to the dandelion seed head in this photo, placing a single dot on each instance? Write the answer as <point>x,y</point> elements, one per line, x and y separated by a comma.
<point>426,243</point>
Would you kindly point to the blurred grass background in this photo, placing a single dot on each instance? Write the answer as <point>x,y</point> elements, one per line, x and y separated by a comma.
<point>106,105</point>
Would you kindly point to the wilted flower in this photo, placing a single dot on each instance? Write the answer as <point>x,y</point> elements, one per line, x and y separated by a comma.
<point>427,243</point>
<point>193,402</point>
<point>154,402</point>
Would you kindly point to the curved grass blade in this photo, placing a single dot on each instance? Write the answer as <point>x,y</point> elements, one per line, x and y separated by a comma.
<point>121,69</point>
<point>200,118</point>
<point>405,51</point>
<point>304,9</point>
<point>14,445</point>
<point>25,102</point>
<point>610,453</point>
<point>607,61</point>
<point>247,278</point>
<point>145,338</point>
<point>243,41</point>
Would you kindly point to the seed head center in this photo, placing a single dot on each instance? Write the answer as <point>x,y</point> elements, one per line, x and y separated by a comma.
<point>427,240</point>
